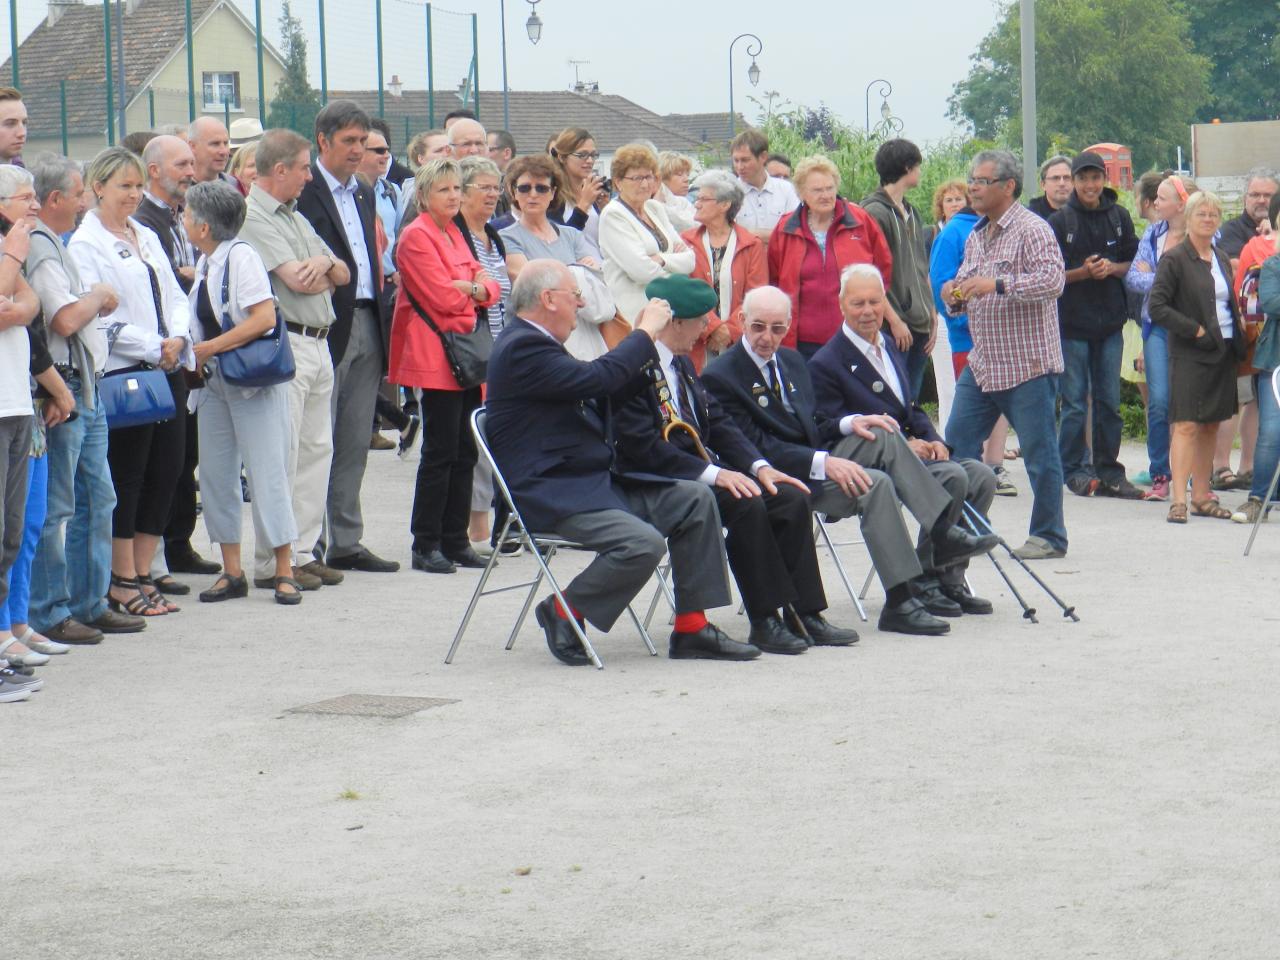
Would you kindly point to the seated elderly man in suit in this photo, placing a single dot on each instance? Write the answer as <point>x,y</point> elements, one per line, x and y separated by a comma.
<point>859,370</point>
<point>855,464</point>
<point>770,540</point>
<point>550,429</point>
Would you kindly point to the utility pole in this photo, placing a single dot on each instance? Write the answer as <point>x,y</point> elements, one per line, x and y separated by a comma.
<point>1030,162</point>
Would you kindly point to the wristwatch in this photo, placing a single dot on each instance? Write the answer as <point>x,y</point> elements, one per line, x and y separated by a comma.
<point>475,290</point>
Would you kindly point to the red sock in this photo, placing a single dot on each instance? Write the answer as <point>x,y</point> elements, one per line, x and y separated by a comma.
<point>690,622</point>
<point>564,616</point>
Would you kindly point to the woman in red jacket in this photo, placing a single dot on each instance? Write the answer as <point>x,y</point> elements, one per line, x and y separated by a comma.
<point>440,277</point>
<point>729,257</point>
<point>810,247</point>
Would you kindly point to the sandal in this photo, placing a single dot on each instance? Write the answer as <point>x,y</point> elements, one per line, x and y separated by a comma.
<point>1223,479</point>
<point>1177,513</point>
<point>154,595</point>
<point>288,598</point>
<point>1244,480</point>
<point>226,587</point>
<point>139,605</point>
<point>1209,508</point>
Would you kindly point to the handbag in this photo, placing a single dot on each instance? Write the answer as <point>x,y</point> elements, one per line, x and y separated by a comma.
<point>467,353</point>
<point>136,395</point>
<point>262,362</point>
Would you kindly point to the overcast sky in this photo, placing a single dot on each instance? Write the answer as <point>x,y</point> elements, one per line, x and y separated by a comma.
<point>667,55</point>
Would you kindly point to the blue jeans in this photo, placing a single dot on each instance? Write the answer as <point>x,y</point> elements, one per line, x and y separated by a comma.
<point>1155,357</point>
<point>1266,454</point>
<point>1091,367</point>
<point>72,569</point>
<point>32,523</point>
<point>917,360</point>
<point>1029,408</point>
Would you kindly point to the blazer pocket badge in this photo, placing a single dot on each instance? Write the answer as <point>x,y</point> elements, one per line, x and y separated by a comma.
<point>878,386</point>
<point>763,401</point>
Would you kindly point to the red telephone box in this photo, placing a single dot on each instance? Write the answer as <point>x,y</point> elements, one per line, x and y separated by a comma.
<point>1118,160</point>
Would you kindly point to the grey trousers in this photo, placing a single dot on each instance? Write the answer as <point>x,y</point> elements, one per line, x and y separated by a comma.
<point>963,480</point>
<point>15,447</point>
<point>894,469</point>
<point>355,393</point>
<point>681,517</point>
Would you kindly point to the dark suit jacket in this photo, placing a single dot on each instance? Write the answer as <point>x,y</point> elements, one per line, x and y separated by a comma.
<point>845,382</point>
<point>549,421</point>
<point>1182,301</point>
<point>157,217</point>
<point>786,440</point>
<point>317,205</point>
<point>639,431</point>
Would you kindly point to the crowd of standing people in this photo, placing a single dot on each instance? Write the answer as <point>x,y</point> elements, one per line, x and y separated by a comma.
<point>203,317</point>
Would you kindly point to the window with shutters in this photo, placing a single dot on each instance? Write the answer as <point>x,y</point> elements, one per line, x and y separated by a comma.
<point>222,91</point>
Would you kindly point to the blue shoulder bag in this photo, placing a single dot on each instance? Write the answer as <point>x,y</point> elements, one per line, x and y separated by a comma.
<point>262,362</point>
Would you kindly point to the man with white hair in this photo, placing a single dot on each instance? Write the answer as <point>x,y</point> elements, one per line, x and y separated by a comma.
<point>211,144</point>
<point>860,370</point>
<point>468,139</point>
<point>855,464</point>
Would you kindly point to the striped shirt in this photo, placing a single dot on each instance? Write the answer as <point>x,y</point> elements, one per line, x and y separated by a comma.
<point>496,267</point>
<point>1015,335</point>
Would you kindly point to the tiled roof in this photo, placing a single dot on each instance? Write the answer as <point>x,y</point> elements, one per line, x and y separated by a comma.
<point>706,127</point>
<point>72,50</point>
<point>535,115</point>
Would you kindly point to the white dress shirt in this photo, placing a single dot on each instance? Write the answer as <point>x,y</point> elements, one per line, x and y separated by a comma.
<point>875,352</point>
<point>344,197</point>
<point>763,207</point>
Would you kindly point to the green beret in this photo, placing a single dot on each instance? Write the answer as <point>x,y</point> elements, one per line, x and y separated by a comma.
<point>689,298</point>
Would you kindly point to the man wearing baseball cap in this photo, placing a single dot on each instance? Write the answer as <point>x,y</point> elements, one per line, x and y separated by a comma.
<point>1097,240</point>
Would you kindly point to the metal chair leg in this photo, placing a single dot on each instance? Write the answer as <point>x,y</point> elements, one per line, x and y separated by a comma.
<point>471,607</point>
<point>866,584</point>
<point>543,572</point>
<point>1266,505</point>
<point>820,530</point>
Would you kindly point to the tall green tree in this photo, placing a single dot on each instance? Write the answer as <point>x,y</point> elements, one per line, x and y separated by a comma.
<point>296,102</point>
<point>1241,39</point>
<point>1106,70</point>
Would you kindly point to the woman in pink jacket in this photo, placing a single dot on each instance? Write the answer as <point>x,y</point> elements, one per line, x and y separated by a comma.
<point>439,277</point>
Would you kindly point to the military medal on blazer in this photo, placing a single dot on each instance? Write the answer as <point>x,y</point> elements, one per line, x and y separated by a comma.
<point>671,420</point>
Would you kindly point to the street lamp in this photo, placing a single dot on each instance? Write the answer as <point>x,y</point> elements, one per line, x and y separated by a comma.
<point>753,72</point>
<point>533,26</point>
<point>885,91</point>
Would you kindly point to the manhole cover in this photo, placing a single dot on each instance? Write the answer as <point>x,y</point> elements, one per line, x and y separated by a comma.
<point>370,705</point>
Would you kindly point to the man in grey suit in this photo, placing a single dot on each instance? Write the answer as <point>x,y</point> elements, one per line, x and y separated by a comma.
<point>857,464</point>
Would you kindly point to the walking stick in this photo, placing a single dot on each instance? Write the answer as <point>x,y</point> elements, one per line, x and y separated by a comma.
<point>1028,612</point>
<point>977,518</point>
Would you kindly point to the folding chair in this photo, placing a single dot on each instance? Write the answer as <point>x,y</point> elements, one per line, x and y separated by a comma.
<point>542,548</point>
<point>1275,477</point>
<point>823,537</point>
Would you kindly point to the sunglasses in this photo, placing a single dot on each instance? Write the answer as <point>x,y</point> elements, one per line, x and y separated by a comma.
<point>777,329</point>
<point>533,187</point>
<point>380,151</point>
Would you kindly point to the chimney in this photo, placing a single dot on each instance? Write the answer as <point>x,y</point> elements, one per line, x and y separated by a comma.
<point>57,8</point>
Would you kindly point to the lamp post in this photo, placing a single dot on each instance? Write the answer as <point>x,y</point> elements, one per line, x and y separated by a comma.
<point>885,91</point>
<point>533,26</point>
<point>753,72</point>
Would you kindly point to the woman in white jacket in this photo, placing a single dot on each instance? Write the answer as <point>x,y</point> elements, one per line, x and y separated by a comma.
<point>637,237</point>
<point>149,328</point>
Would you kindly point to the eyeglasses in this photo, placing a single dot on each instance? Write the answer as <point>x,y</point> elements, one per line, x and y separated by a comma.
<point>23,197</point>
<point>987,181</point>
<point>643,178</point>
<point>698,200</point>
<point>534,187</point>
<point>591,155</point>
<point>1056,178</point>
<point>577,294</point>
<point>470,143</point>
<point>380,151</point>
<point>485,188</point>
<point>1260,196</point>
<point>777,329</point>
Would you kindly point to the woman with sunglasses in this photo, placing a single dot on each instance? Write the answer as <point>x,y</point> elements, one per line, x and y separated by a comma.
<point>585,194</point>
<point>536,188</point>
<point>639,242</point>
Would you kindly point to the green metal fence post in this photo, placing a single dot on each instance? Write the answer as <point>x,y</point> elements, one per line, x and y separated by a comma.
<point>257,28</point>
<point>475,63</point>
<point>62,104</point>
<point>226,112</point>
<point>377,20</point>
<point>191,69</point>
<point>406,130</point>
<point>111,96</point>
<point>324,60</point>
<point>13,42</point>
<point>431,86</point>
<point>151,108</point>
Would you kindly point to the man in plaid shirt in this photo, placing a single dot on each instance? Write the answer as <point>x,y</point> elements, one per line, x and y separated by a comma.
<point>1009,284</point>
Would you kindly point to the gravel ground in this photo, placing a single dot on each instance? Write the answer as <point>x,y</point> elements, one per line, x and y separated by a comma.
<point>1103,789</point>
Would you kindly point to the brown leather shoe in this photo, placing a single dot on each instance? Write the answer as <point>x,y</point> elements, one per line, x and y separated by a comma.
<point>305,581</point>
<point>73,631</point>
<point>328,576</point>
<point>113,622</point>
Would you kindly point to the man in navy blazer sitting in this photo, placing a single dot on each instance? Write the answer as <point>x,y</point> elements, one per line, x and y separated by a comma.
<point>856,464</point>
<point>859,370</point>
<point>765,512</point>
<point>550,428</point>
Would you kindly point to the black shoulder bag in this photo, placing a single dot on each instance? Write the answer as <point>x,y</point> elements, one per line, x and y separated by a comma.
<point>467,353</point>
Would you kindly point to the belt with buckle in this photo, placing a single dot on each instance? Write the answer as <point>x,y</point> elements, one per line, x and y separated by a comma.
<point>318,333</point>
<point>366,304</point>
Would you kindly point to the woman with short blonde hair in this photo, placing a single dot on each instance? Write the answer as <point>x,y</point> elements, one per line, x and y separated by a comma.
<point>674,170</point>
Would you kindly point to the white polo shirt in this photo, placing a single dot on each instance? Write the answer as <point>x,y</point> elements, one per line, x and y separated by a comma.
<point>763,207</point>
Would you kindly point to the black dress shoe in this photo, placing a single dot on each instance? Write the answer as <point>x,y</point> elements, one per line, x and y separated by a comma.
<point>820,633</point>
<point>166,584</point>
<point>561,640</point>
<point>709,643</point>
<point>433,561</point>
<point>364,561</point>
<point>957,546</point>
<point>910,616</point>
<point>180,560</point>
<point>935,601</point>
<point>772,636</point>
<point>468,558</point>
<point>960,594</point>
<point>226,588</point>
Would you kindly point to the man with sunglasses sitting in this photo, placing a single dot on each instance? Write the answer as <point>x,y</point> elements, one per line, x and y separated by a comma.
<point>853,464</point>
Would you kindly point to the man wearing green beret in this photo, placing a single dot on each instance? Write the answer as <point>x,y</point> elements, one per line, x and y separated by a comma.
<point>674,428</point>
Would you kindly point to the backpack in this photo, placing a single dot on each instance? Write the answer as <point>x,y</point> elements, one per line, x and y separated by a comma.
<point>1071,221</point>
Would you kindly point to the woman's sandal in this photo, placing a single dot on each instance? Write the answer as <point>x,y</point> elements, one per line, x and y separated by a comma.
<point>1223,479</point>
<point>288,598</point>
<point>1177,513</point>
<point>154,595</point>
<point>1209,508</point>
<point>139,605</point>
<point>226,587</point>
